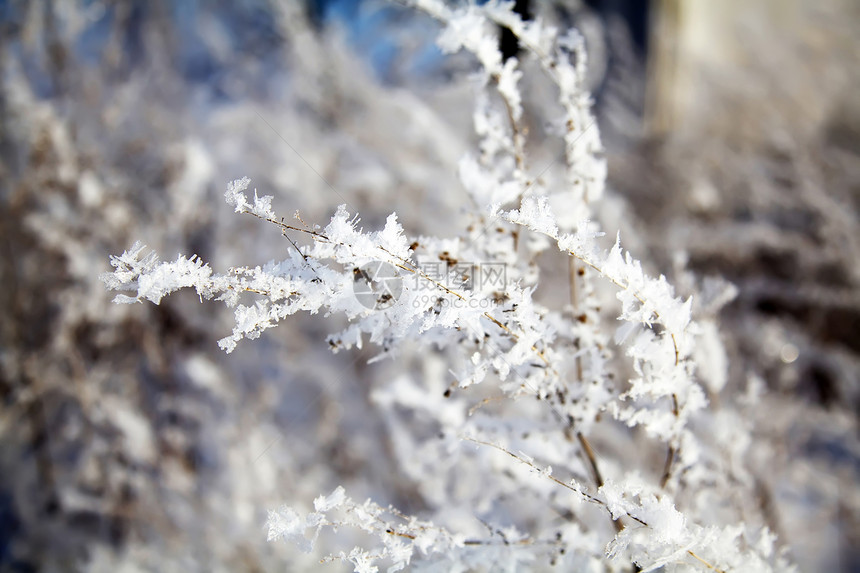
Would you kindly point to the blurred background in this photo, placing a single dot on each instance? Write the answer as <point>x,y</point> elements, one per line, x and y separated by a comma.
<point>130,442</point>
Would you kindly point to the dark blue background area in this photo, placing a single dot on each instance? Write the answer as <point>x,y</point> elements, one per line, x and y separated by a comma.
<point>249,27</point>
<point>250,30</point>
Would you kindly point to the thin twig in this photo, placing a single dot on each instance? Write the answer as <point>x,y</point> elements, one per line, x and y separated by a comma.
<point>673,451</point>
<point>705,563</point>
<point>595,469</point>
<point>584,495</point>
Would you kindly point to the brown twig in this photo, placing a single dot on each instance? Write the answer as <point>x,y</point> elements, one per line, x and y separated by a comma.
<point>673,451</point>
<point>578,491</point>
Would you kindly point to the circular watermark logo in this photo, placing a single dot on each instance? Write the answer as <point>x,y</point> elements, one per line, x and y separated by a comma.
<point>376,285</point>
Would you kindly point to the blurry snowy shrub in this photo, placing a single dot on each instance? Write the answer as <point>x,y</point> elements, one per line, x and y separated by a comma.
<point>123,439</point>
<point>591,436</point>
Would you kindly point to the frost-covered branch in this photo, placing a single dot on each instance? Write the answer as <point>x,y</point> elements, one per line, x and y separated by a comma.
<point>305,282</point>
<point>504,369</point>
<point>399,538</point>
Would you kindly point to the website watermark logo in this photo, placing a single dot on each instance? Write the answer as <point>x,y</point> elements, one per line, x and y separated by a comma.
<point>376,285</point>
<point>460,276</point>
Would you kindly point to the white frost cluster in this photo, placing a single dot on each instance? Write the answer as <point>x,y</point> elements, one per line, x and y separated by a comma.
<point>153,280</point>
<point>235,196</point>
<point>400,538</point>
